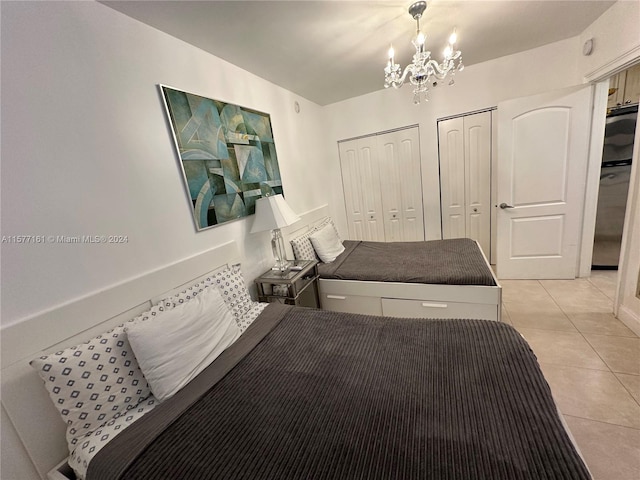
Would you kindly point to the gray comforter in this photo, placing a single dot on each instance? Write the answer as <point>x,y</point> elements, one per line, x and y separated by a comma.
<point>309,394</point>
<point>457,261</point>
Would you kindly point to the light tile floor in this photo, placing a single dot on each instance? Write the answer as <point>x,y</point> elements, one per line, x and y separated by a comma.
<point>591,361</point>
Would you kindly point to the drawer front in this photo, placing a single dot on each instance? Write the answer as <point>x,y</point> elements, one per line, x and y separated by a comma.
<point>393,307</point>
<point>299,285</point>
<point>351,304</point>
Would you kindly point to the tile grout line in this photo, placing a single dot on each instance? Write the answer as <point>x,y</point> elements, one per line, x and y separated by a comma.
<point>615,374</point>
<point>599,289</point>
<point>601,422</point>
<point>590,345</point>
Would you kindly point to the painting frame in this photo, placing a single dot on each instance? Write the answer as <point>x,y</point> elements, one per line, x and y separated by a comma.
<point>227,155</point>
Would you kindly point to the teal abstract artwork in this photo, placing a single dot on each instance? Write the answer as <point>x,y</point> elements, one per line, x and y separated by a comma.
<point>227,155</point>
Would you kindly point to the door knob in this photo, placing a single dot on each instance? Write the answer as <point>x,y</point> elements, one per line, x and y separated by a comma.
<point>504,205</point>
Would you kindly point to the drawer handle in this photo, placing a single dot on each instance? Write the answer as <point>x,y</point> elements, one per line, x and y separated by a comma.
<point>336,297</point>
<point>434,305</point>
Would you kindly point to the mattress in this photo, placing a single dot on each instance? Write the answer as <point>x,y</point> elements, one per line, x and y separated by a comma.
<point>457,261</point>
<point>313,394</point>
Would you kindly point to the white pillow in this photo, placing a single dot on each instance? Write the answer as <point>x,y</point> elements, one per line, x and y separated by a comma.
<point>326,243</point>
<point>182,342</point>
<point>328,220</point>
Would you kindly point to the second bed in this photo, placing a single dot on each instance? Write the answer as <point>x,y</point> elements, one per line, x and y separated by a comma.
<point>431,279</point>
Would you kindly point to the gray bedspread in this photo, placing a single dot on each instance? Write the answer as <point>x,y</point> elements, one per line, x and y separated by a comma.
<point>457,261</point>
<point>327,395</point>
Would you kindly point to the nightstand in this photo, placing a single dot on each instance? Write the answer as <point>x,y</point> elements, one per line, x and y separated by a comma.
<point>293,287</point>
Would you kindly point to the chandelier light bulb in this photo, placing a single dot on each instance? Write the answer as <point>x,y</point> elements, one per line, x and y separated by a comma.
<point>391,53</point>
<point>453,38</point>
<point>448,51</point>
<point>420,38</point>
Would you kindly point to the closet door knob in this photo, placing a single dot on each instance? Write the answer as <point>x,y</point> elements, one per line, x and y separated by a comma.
<point>504,205</point>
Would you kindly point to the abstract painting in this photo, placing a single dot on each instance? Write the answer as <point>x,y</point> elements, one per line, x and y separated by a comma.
<point>227,154</point>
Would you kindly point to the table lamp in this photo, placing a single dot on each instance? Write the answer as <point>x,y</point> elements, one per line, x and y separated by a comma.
<point>273,213</point>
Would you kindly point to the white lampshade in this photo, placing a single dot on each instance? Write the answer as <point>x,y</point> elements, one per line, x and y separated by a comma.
<point>273,212</point>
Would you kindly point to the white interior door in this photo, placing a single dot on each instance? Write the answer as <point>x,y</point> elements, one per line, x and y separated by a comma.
<point>399,161</point>
<point>361,183</point>
<point>543,143</point>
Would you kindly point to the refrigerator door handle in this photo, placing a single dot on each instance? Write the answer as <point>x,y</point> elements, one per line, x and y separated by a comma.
<point>616,163</point>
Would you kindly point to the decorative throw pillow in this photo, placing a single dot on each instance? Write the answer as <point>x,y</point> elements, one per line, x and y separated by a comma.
<point>95,381</point>
<point>302,247</point>
<point>326,243</point>
<point>180,343</point>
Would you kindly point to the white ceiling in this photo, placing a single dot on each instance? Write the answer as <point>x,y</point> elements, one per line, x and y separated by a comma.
<point>330,50</point>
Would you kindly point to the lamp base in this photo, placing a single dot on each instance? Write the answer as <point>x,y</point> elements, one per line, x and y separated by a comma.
<point>277,245</point>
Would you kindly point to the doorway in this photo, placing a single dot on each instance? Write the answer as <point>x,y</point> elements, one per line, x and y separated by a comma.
<point>615,174</point>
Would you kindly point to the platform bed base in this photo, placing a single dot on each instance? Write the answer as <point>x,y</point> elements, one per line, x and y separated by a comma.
<point>413,300</point>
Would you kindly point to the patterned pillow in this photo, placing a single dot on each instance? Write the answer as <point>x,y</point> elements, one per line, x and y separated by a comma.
<point>95,381</point>
<point>249,318</point>
<point>234,292</point>
<point>302,248</point>
<point>231,285</point>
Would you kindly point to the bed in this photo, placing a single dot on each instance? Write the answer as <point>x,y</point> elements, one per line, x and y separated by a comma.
<point>309,393</point>
<point>432,279</point>
<point>316,394</point>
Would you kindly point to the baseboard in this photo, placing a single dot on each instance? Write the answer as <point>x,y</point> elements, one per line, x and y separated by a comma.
<point>629,318</point>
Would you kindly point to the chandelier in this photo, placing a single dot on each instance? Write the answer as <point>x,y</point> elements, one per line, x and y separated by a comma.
<point>423,71</point>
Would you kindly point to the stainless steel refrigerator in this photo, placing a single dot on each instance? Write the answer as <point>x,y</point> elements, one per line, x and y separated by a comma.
<point>614,186</point>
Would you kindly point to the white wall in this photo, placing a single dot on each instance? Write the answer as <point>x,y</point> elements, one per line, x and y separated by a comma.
<point>479,86</point>
<point>616,41</point>
<point>86,150</point>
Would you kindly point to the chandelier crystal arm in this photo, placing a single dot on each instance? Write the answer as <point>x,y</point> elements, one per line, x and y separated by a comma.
<point>441,71</point>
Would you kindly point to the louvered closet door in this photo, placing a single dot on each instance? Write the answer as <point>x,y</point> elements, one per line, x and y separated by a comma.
<point>361,183</point>
<point>401,185</point>
<point>465,178</point>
